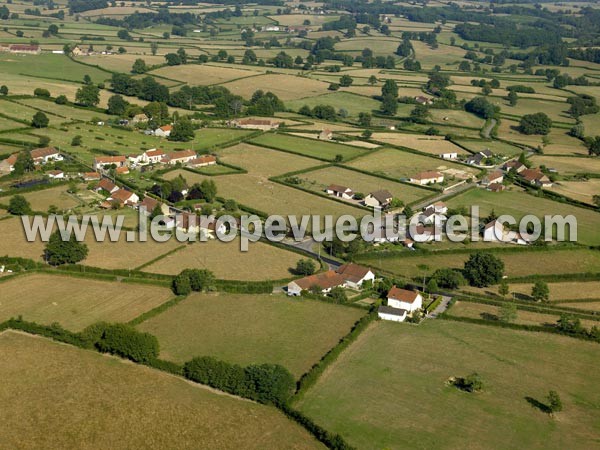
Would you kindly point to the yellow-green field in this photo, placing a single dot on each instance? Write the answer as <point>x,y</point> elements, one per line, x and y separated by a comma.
<point>248,329</point>
<point>112,404</point>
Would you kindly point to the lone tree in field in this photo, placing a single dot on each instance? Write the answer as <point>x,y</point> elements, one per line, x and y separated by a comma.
<point>507,312</point>
<point>88,95</point>
<point>59,251</point>
<point>540,291</point>
<point>305,267</point>
<point>503,289</point>
<point>19,206</point>
<point>40,120</point>
<point>3,90</point>
<point>554,402</point>
<point>483,269</point>
<point>470,383</point>
<point>538,123</point>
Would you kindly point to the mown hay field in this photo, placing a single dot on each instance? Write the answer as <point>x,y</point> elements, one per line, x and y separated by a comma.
<point>202,74</point>
<point>246,329</point>
<point>226,260</point>
<point>434,145</point>
<point>76,302</point>
<point>584,191</point>
<point>286,87</point>
<point>122,63</point>
<point>352,103</point>
<point>408,381</point>
<point>113,403</point>
<point>501,148</point>
<point>572,290</point>
<point>567,165</point>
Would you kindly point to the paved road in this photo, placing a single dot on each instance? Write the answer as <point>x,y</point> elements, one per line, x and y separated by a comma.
<point>307,245</point>
<point>443,306</point>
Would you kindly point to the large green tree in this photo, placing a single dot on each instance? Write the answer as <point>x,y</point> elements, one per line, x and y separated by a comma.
<point>538,123</point>
<point>64,251</point>
<point>183,130</point>
<point>19,206</point>
<point>40,120</point>
<point>483,269</point>
<point>88,95</point>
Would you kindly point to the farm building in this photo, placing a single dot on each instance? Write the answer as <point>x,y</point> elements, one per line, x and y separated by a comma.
<point>492,177</point>
<point>379,199</point>
<point>326,135</point>
<point>28,49</point>
<point>339,191</point>
<point>45,155</point>
<point>391,314</point>
<point>91,176</point>
<point>56,174</point>
<point>429,177</point>
<point>8,165</point>
<point>355,275</point>
<point>514,165</point>
<point>255,124</point>
<point>124,197</point>
<point>203,161</point>
<point>536,177</point>
<point>182,157</point>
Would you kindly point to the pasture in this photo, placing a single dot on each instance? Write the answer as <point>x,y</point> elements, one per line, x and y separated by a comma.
<point>584,191</point>
<point>57,196</point>
<point>567,165</point>
<point>433,145</point>
<point>500,148</point>
<point>407,382</point>
<point>226,260</point>
<point>76,302</point>
<point>203,74</point>
<point>246,329</point>
<point>518,204</point>
<point>307,147</point>
<point>352,103</point>
<point>571,290</point>
<point>320,179</point>
<point>113,403</point>
<point>515,264</point>
<point>560,143</point>
<point>286,87</point>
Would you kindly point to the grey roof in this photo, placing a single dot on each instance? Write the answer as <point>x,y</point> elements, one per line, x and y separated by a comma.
<point>393,311</point>
<point>382,196</point>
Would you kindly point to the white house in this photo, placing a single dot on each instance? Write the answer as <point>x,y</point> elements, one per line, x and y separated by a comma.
<point>392,314</point>
<point>164,131</point>
<point>154,155</point>
<point>124,197</point>
<point>493,232</point>
<point>101,162</point>
<point>355,276</point>
<point>182,156</point>
<point>492,177</point>
<point>56,174</point>
<point>449,155</point>
<point>45,155</point>
<point>379,199</point>
<point>429,177</point>
<point>438,207</point>
<point>339,191</point>
<point>404,299</point>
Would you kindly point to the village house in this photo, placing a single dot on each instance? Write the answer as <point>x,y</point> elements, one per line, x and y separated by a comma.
<point>493,231</point>
<point>122,170</point>
<point>379,199</point>
<point>45,155</point>
<point>78,51</point>
<point>536,177</point>
<point>340,191</point>
<point>326,135</point>
<point>124,197</point>
<point>474,160</point>
<point>139,118</point>
<point>438,207</point>
<point>400,304</point>
<point>56,174</point>
<point>91,176</point>
<point>8,165</point>
<point>449,155</point>
<point>255,124</point>
<point>429,177</point>
<point>149,204</point>
<point>102,162</point>
<point>355,275</point>
<point>492,177</point>
<point>203,161</point>
<point>182,157</point>
<point>421,100</point>
<point>514,165</point>
<point>106,185</point>
<point>164,131</point>
<point>154,155</point>
<point>430,216</point>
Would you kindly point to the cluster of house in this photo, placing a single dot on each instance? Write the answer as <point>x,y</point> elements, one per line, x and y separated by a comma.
<point>401,303</point>
<point>349,275</point>
<point>153,156</point>
<point>378,199</point>
<point>40,156</point>
<point>535,177</point>
<point>478,158</point>
<point>26,49</point>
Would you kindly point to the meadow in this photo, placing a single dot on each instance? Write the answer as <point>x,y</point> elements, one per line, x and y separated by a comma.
<point>580,290</point>
<point>113,403</point>
<point>518,204</point>
<point>286,87</point>
<point>307,147</point>
<point>500,148</point>
<point>76,302</point>
<point>433,145</point>
<point>57,196</point>
<point>568,165</point>
<point>204,74</point>
<point>226,260</point>
<point>407,384</point>
<point>245,329</point>
<point>352,103</point>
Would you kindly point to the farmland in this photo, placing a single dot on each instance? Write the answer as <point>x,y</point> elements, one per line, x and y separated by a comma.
<point>224,259</point>
<point>557,291</point>
<point>515,365</point>
<point>286,87</point>
<point>352,103</point>
<point>248,329</point>
<point>112,403</point>
<point>75,302</point>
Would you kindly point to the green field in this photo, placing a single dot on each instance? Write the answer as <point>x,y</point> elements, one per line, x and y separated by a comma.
<point>246,329</point>
<point>398,398</point>
<point>519,204</point>
<point>114,404</point>
<point>308,147</point>
<point>352,103</point>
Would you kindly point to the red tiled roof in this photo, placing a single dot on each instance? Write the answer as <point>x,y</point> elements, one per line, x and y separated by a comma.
<point>106,184</point>
<point>403,295</point>
<point>110,159</point>
<point>353,272</point>
<point>121,195</point>
<point>324,280</point>
<point>42,152</point>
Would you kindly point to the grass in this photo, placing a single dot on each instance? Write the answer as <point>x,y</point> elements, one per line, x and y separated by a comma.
<point>112,403</point>
<point>247,329</point>
<point>57,196</point>
<point>568,165</point>
<point>359,182</point>
<point>558,291</point>
<point>352,103</point>
<point>518,204</point>
<point>516,264</point>
<point>560,142</point>
<point>286,87</point>
<point>206,74</point>
<point>584,191</point>
<point>76,302</point>
<point>401,164</point>
<point>307,147</point>
<point>501,148</point>
<point>227,261</point>
<point>407,382</point>
<point>68,112</point>
<point>434,145</point>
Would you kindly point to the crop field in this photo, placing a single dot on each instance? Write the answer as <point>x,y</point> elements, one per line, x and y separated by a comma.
<point>515,264</point>
<point>113,403</point>
<point>286,87</point>
<point>202,74</point>
<point>76,302</point>
<point>558,291</point>
<point>256,191</point>
<point>226,260</point>
<point>307,147</point>
<point>264,161</point>
<point>514,366</point>
<point>501,148</point>
<point>402,164</point>
<point>247,329</point>
<point>490,312</point>
<point>360,182</point>
<point>518,204</point>
<point>352,103</point>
